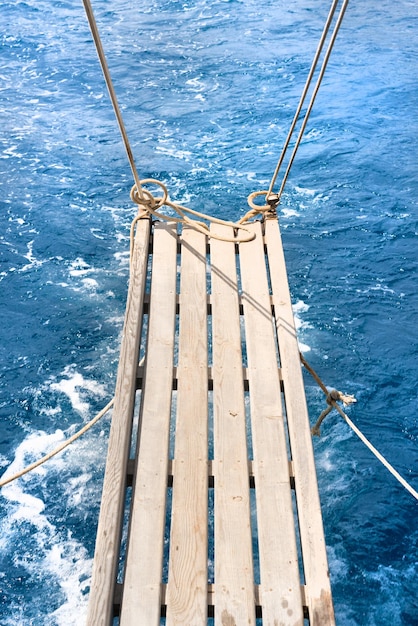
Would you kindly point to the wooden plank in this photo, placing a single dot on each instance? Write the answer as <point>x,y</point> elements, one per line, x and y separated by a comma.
<point>187,581</point>
<point>100,611</point>
<point>234,576</point>
<point>279,571</point>
<point>318,589</point>
<point>141,601</point>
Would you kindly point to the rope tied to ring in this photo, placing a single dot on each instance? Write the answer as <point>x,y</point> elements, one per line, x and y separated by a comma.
<point>329,33</point>
<point>148,204</point>
<point>267,210</point>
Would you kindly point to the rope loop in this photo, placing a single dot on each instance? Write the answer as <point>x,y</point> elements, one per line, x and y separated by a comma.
<point>267,210</point>
<point>149,201</point>
<point>272,201</point>
<point>152,205</point>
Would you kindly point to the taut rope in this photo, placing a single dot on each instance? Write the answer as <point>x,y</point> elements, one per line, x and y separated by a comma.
<point>105,69</point>
<point>149,203</point>
<point>270,196</point>
<point>145,199</point>
<point>332,398</point>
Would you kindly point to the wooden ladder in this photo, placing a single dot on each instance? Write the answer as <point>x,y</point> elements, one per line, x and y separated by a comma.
<point>210,509</point>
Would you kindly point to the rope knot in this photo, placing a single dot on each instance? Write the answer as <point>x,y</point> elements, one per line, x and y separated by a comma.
<point>145,199</point>
<point>332,397</point>
<point>148,204</point>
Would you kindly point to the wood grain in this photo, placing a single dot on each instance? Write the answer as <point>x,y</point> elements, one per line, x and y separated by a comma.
<point>234,574</point>
<point>279,569</point>
<point>317,590</point>
<point>280,439</point>
<point>188,578</point>
<point>141,601</point>
<point>100,611</point>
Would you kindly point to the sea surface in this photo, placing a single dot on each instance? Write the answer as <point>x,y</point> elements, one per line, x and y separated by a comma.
<point>208,90</point>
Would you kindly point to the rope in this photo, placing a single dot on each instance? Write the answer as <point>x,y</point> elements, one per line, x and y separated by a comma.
<point>149,204</point>
<point>332,399</point>
<point>139,195</point>
<point>105,69</point>
<point>152,206</point>
<point>61,447</point>
<point>269,193</point>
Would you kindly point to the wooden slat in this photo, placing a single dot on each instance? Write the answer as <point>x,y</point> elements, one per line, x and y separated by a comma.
<point>187,582</point>
<point>234,576</point>
<point>100,610</point>
<point>318,589</point>
<point>280,579</point>
<point>141,603</point>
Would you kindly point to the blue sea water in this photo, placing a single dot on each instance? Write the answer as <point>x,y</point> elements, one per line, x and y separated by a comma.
<point>208,91</point>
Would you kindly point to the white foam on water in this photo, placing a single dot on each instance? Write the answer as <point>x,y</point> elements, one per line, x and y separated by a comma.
<point>54,553</point>
<point>50,411</point>
<point>196,84</point>
<point>377,287</point>
<point>51,554</point>
<point>305,191</point>
<point>77,389</point>
<point>303,347</point>
<point>337,563</point>
<point>81,279</point>
<point>33,261</point>
<point>289,213</point>
<point>79,267</point>
<point>97,233</point>
<point>123,258</point>
<point>68,562</point>
<point>33,447</point>
<point>172,151</point>
<point>117,319</point>
<point>90,284</point>
<point>298,308</point>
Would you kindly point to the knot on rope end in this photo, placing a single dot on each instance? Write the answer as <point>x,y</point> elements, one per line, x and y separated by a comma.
<point>316,431</point>
<point>333,396</point>
<point>339,396</point>
<point>347,399</point>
